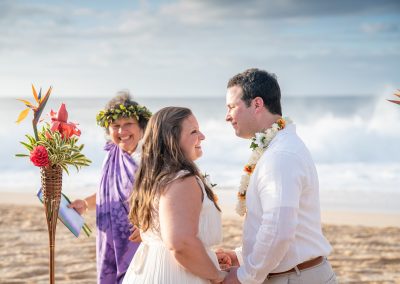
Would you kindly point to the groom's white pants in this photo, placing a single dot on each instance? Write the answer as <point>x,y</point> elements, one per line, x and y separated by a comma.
<point>319,274</point>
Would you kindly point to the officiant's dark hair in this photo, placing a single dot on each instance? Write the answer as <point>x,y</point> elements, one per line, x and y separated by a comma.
<point>259,83</point>
<point>162,159</point>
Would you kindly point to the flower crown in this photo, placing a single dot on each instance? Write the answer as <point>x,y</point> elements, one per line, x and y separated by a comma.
<point>105,117</point>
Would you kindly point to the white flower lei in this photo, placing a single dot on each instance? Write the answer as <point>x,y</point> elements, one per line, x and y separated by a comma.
<point>259,144</point>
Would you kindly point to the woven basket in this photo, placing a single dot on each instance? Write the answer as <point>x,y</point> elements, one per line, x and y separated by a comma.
<point>51,182</point>
<point>51,186</point>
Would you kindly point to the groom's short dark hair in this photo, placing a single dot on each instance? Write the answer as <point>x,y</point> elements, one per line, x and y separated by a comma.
<point>259,83</point>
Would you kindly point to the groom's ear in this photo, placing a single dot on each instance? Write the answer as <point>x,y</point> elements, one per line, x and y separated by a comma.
<point>258,103</point>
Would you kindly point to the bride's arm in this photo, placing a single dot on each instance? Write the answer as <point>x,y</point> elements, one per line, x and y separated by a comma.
<point>179,213</point>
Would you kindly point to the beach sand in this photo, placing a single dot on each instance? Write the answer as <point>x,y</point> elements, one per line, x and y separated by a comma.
<point>366,246</point>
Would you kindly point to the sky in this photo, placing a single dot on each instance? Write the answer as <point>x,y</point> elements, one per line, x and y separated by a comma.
<point>191,48</point>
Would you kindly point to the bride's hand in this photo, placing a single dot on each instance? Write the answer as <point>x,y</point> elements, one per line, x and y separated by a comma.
<point>221,277</point>
<point>135,236</point>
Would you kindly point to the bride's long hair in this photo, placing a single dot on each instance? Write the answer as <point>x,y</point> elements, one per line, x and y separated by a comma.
<point>162,158</point>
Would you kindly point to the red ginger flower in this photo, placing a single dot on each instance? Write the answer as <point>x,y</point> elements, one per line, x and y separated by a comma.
<point>39,156</point>
<point>59,123</point>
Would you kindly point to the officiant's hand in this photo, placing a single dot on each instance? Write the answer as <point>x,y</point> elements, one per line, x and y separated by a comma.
<point>79,205</point>
<point>135,236</point>
<point>83,205</point>
<point>221,253</point>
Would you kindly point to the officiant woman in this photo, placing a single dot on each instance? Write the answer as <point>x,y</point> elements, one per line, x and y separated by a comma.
<point>124,121</point>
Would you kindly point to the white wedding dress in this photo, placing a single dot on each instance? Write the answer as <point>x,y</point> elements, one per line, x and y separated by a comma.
<point>153,263</point>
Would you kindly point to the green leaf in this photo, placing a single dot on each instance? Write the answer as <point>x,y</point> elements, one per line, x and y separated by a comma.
<point>27,146</point>
<point>66,197</point>
<point>32,140</point>
<point>21,155</point>
<point>65,168</point>
<point>253,145</point>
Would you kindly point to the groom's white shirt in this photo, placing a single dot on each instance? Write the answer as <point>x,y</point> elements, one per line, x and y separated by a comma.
<point>282,226</point>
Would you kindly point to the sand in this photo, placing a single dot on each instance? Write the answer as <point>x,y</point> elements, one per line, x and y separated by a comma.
<point>366,245</point>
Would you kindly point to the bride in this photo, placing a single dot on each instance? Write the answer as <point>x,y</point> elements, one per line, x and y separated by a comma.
<point>174,208</point>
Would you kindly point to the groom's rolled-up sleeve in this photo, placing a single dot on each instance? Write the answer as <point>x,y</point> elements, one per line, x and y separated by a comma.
<point>273,240</point>
<point>279,191</point>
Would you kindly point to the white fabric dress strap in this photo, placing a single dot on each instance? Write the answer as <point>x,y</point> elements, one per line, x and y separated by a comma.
<point>200,182</point>
<point>180,174</point>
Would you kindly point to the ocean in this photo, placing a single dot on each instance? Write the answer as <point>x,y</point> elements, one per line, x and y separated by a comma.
<point>354,141</point>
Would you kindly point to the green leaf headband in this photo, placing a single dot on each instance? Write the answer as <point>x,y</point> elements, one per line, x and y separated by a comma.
<point>105,117</point>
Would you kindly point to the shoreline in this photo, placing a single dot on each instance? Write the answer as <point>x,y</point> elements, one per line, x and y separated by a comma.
<point>330,216</point>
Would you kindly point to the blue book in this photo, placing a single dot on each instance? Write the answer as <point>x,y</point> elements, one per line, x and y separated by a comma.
<point>69,217</point>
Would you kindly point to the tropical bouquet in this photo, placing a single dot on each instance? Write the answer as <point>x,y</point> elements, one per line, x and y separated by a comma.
<point>55,144</point>
<point>52,148</point>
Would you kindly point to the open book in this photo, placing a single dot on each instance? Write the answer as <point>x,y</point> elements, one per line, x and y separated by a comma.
<point>69,217</point>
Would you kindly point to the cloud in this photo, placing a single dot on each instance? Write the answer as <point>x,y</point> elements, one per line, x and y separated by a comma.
<point>375,28</point>
<point>173,45</point>
<point>193,11</point>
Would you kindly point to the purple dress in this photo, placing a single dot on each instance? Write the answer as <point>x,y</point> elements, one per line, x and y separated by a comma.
<point>114,250</point>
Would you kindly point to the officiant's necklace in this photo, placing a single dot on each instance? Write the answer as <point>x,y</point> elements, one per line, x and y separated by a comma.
<point>259,144</point>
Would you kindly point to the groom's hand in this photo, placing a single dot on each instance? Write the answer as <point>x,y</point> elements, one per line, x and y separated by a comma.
<point>232,276</point>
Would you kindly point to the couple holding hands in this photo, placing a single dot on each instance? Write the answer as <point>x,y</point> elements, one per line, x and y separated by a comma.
<point>175,215</point>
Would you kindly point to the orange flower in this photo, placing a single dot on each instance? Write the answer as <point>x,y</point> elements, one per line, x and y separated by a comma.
<point>249,168</point>
<point>215,198</point>
<point>281,123</point>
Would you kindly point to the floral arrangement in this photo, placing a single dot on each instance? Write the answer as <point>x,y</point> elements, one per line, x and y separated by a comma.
<point>105,117</point>
<point>53,149</point>
<point>259,144</point>
<point>56,143</point>
<point>398,95</point>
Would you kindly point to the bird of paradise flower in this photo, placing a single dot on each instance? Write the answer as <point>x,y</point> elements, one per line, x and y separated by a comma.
<point>37,109</point>
<point>398,95</point>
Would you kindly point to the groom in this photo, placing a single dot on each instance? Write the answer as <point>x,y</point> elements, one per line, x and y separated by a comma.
<point>282,237</point>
